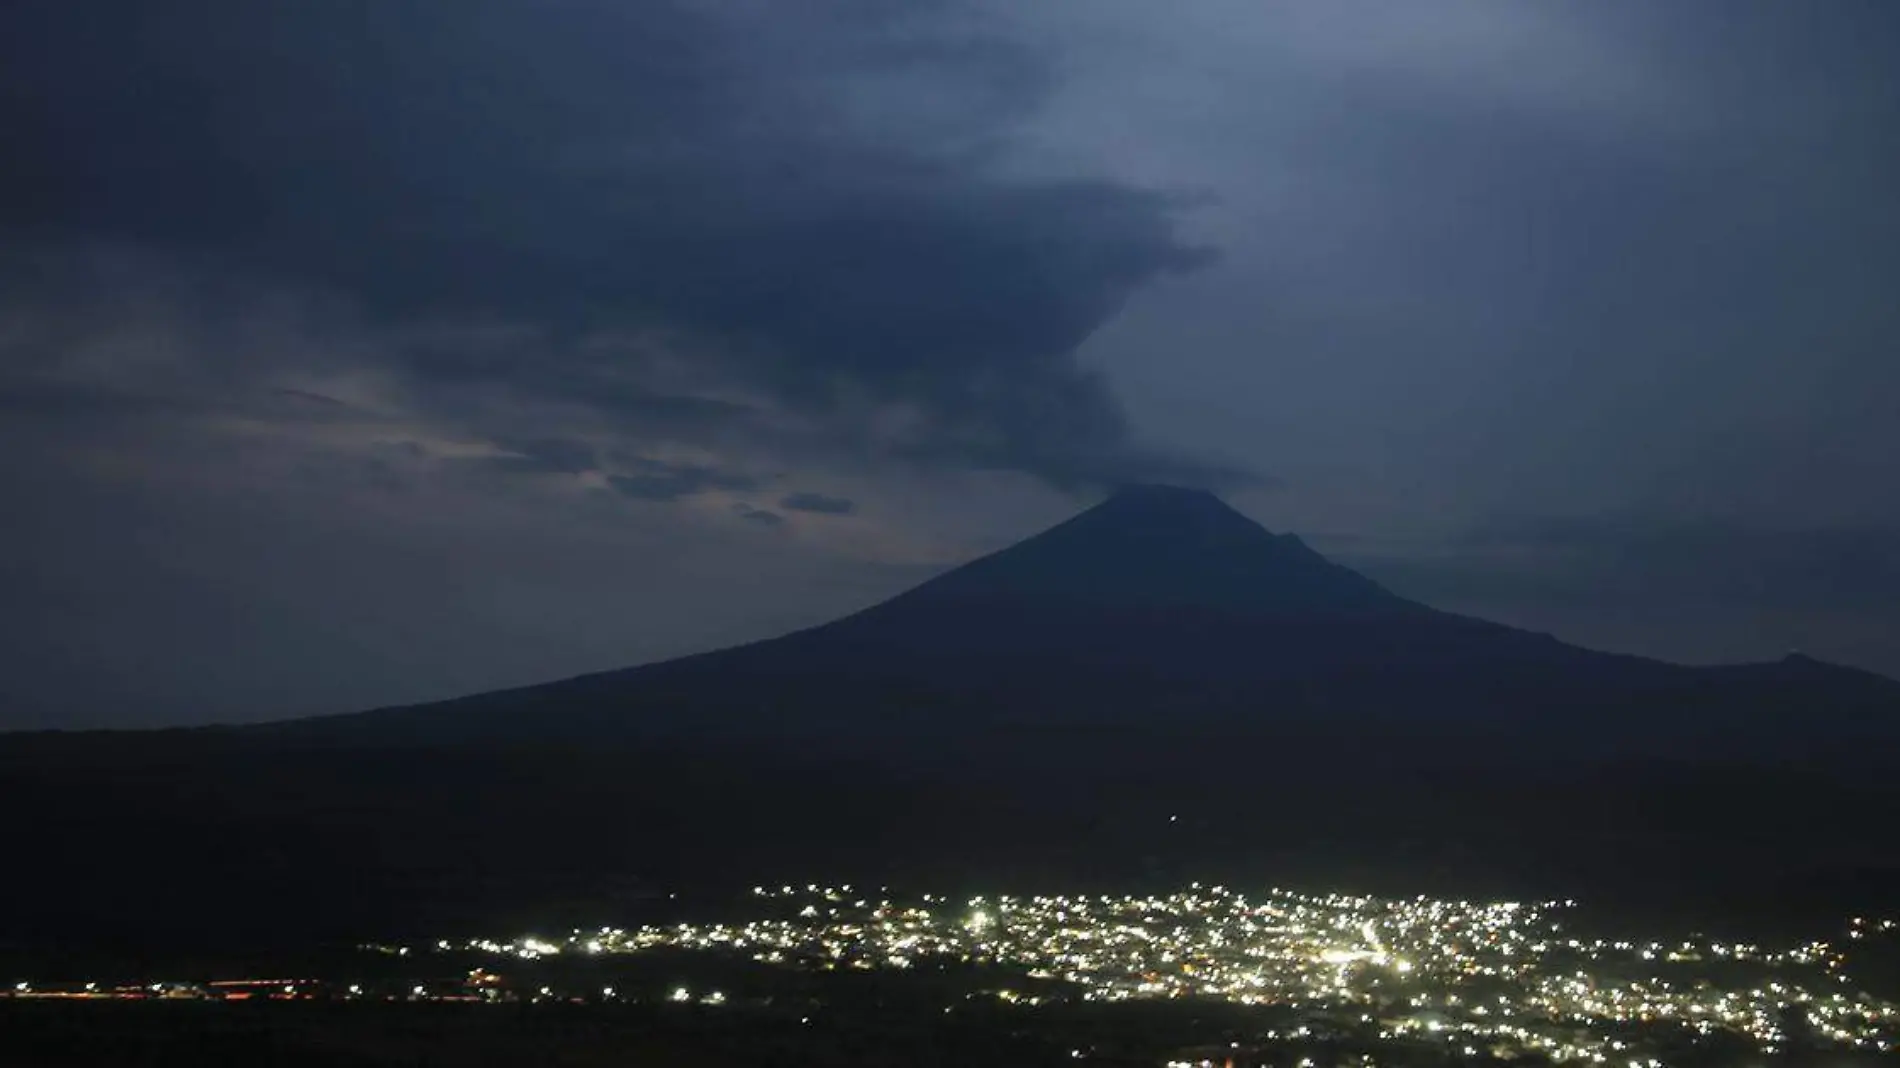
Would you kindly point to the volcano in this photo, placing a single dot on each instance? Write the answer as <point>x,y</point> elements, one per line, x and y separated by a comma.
<point>1164,607</point>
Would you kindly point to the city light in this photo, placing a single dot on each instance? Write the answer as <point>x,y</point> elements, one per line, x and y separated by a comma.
<point>1501,978</point>
<point>1504,977</point>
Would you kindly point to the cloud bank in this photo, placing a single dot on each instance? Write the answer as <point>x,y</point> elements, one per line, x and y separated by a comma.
<point>681,222</point>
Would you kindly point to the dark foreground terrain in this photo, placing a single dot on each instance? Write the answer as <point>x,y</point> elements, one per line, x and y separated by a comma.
<point>474,1036</point>
<point>410,1036</point>
<point>164,841</point>
<point>164,1035</point>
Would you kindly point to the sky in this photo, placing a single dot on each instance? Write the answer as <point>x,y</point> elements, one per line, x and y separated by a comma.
<point>375,351</point>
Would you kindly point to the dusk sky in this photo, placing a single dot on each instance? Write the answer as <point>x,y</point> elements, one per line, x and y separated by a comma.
<point>357,352</point>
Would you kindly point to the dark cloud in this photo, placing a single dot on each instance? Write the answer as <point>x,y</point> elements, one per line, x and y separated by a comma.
<point>657,481</point>
<point>557,456</point>
<point>311,397</point>
<point>803,197</point>
<point>1548,258</point>
<point>817,502</point>
<point>760,516</point>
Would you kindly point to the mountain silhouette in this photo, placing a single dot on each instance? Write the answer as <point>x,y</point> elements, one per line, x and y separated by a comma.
<point>1163,605</point>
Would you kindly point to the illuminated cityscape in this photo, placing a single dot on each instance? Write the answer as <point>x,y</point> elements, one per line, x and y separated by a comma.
<point>1503,979</point>
<point>1387,978</point>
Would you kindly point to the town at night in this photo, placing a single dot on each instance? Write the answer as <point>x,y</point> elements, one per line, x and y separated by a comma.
<point>1298,979</point>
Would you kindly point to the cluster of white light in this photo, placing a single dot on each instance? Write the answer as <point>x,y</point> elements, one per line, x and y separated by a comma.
<point>1503,976</point>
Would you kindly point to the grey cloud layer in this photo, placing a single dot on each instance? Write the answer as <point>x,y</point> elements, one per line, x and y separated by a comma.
<point>672,482</point>
<point>817,502</point>
<point>1485,257</point>
<point>803,199</point>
